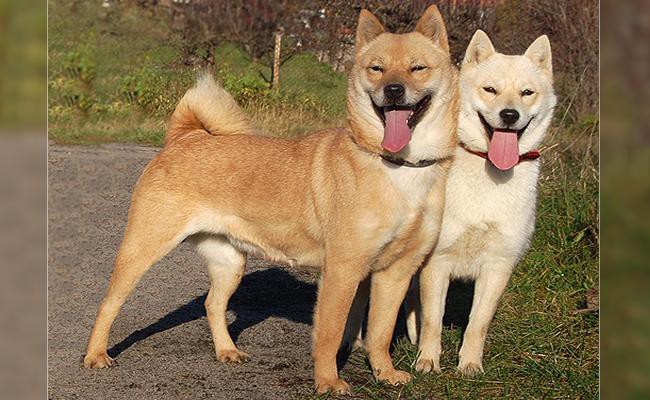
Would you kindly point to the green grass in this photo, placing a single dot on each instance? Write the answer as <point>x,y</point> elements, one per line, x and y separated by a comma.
<point>122,71</point>
<point>537,347</point>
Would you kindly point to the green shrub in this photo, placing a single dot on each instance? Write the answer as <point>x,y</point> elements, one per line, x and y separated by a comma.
<point>80,62</point>
<point>243,87</point>
<point>154,88</point>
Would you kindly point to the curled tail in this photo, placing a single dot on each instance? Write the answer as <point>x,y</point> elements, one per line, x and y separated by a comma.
<point>209,107</point>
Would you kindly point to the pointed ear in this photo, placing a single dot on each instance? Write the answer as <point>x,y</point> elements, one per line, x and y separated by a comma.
<point>368,28</point>
<point>479,48</point>
<point>540,53</point>
<point>432,26</point>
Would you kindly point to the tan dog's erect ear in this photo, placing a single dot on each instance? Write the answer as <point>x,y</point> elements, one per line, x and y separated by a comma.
<point>368,28</point>
<point>432,26</point>
<point>479,48</point>
<point>540,53</point>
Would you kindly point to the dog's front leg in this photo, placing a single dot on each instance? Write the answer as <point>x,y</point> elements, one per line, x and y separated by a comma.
<point>434,283</point>
<point>338,286</point>
<point>489,286</point>
<point>387,290</point>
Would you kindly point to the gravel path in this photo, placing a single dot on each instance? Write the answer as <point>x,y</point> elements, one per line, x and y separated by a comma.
<point>161,339</point>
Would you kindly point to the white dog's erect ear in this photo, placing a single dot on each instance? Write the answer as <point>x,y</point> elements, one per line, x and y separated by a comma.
<point>432,26</point>
<point>540,53</point>
<point>479,48</point>
<point>368,28</point>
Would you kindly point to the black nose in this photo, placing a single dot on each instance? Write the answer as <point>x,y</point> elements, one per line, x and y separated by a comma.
<point>394,92</point>
<point>509,116</point>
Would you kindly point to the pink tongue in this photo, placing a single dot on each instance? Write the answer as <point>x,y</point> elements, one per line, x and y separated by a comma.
<point>503,150</point>
<point>397,133</point>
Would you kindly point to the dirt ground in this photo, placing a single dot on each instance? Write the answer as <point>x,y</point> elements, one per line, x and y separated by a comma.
<point>160,340</point>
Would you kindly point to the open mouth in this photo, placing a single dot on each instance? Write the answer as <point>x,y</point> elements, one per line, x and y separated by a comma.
<point>503,147</point>
<point>416,111</point>
<point>399,121</point>
<point>489,129</point>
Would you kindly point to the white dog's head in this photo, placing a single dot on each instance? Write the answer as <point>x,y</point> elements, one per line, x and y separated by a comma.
<point>507,101</point>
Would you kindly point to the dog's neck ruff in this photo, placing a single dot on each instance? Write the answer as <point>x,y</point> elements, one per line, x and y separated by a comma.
<point>529,156</point>
<point>375,149</point>
<point>403,163</point>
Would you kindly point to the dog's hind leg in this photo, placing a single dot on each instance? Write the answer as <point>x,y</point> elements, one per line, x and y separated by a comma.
<point>225,267</point>
<point>150,234</point>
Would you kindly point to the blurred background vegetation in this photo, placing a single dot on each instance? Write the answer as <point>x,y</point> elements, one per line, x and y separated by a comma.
<point>23,198</point>
<point>625,196</point>
<point>23,66</point>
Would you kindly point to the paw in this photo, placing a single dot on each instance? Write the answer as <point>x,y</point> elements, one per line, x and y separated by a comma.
<point>335,386</point>
<point>394,377</point>
<point>232,356</point>
<point>97,361</point>
<point>426,365</point>
<point>470,369</point>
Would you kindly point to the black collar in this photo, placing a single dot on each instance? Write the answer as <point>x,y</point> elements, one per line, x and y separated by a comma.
<point>403,162</point>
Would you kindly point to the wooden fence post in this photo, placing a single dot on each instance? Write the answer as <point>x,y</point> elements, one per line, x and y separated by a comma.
<point>275,84</point>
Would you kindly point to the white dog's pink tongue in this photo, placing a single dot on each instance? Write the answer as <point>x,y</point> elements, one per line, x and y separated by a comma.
<point>397,133</point>
<point>503,150</point>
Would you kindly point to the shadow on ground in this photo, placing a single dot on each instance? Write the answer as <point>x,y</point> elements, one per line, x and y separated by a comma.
<point>459,304</point>
<point>276,293</point>
<point>262,294</point>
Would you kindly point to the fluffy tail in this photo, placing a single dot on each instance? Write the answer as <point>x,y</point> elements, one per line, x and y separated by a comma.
<point>209,107</point>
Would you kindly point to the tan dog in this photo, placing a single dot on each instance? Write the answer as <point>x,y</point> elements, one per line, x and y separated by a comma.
<point>327,200</point>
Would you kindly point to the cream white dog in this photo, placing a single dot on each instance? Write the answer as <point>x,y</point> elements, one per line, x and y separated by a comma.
<point>507,105</point>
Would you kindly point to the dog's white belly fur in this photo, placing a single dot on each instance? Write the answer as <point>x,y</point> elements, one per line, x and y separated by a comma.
<point>215,222</point>
<point>486,220</point>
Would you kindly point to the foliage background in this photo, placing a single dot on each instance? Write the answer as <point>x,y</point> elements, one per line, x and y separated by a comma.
<point>117,68</point>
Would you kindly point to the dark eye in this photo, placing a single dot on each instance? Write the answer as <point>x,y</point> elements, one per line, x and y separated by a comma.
<point>377,68</point>
<point>490,89</point>
<point>419,68</point>
<point>527,92</point>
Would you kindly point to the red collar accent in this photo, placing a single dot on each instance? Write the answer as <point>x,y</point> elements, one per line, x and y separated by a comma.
<point>531,155</point>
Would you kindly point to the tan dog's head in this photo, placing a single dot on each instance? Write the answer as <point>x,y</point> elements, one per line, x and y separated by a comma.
<point>507,101</point>
<point>399,83</point>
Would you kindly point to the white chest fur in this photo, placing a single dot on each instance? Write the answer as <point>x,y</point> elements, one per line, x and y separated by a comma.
<point>411,184</point>
<point>406,200</point>
<point>489,214</point>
